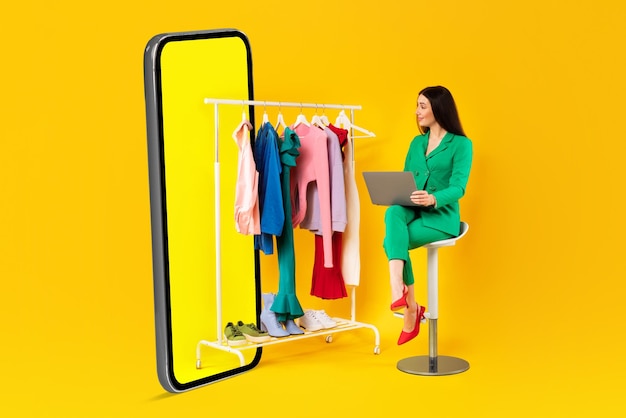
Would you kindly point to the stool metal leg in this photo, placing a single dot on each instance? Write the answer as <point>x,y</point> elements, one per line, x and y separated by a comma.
<point>433,364</point>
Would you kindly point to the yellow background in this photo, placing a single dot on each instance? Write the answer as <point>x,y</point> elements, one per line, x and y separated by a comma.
<point>532,297</point>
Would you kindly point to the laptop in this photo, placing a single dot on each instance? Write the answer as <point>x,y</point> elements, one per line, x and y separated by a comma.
<point>388,188</point>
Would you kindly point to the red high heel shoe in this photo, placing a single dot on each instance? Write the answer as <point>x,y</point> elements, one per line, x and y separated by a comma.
<point>401,302</point>
<point>405,337</point>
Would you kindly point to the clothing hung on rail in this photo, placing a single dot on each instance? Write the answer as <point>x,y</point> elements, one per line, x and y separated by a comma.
<point>306,176</point>
<point>312,166</point>
<point>286,304</point>
<point>328,282</point>
<point>274,157</point>
<point>247,214</point>
<point>312,218</point>
<point>351,248</point>
<point>270,197</point>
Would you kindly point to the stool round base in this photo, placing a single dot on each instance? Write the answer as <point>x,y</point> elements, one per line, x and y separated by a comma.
<point>436,366</point>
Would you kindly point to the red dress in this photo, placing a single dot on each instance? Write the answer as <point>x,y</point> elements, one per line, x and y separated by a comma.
<point>327,283</point>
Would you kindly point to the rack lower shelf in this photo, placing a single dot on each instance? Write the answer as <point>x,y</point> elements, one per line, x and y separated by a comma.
<point>343,325</point>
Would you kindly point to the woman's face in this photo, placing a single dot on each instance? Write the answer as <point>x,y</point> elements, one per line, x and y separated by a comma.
<point>424,113</point>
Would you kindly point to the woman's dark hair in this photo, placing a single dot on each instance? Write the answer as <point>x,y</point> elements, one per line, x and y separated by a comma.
<point>444,109</point>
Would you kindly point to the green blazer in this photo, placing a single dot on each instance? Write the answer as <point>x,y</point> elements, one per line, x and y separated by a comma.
<point>443,173</point>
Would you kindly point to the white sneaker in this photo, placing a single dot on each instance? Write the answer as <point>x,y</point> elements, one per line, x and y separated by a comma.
<point>310,322</point>
<point>326,321</point>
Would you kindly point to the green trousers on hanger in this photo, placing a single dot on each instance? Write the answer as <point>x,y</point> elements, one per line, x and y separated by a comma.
<point>286,304</point>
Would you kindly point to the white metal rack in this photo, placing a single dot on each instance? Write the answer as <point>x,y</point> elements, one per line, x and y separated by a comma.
<point>342,324</point>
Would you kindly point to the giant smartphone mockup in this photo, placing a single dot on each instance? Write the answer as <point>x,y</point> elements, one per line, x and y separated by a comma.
<point>198,280</point>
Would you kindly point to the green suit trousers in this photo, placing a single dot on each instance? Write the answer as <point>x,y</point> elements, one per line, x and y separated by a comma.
<point>405,231</point>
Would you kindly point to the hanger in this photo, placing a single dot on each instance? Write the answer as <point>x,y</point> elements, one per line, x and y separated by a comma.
<point>281,121</point>
<point>324,118</point>
<point>343,121</point>
<point>266,118</point>
<point>316,120</point>
<point>301,119</point>
<point>245,121</point>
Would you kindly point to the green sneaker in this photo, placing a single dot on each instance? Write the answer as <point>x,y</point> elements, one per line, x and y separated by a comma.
<point>252,333</point>
<point>234,337</point>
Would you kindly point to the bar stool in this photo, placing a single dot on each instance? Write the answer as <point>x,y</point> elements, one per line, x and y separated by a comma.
<point>434,364</point>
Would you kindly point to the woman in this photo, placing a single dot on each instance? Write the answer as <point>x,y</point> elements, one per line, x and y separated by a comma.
<point>440,160</point>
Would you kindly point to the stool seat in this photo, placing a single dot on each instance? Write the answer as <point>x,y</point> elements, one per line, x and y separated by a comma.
<point>450,241</point>
<point>433,364</point>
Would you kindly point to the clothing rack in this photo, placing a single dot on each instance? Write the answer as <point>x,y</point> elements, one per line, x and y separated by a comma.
<point>342,324</point>
<point>280,104</point>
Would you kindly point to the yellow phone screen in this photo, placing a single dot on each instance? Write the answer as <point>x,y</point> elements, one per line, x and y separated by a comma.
<point>204,281</point>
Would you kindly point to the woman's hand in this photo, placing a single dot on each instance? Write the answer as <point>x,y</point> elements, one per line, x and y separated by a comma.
<point>422,198</point>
